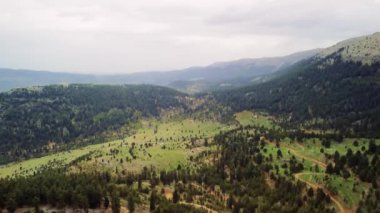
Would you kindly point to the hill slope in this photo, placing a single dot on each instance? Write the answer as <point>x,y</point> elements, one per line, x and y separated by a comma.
<point>32,118</point>
<point>335,89</point>
<point>365,49</point>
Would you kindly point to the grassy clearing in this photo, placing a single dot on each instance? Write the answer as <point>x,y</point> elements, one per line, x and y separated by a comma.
<point>287,154</point>
<point>348,190</point>
<point>29,166</point>
<point>312,147</point>
<point>164,145</point>
<point>161,144</point>
<point>249,118</point>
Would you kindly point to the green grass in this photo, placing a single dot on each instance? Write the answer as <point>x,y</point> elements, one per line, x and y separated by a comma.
<point>31,165</point>
<point>271,149</point>
<point>249,118</point>
<point>173,135</point>
<point>312,147</point>
<point>343,188</point>
<point>170,142</point>
<point>166,144</point>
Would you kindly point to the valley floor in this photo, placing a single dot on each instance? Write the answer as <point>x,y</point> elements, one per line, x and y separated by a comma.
<point>170,145</point>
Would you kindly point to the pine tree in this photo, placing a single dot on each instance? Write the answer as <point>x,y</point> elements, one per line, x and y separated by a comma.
<point>131,204</point>
<point>106,202</point>
<point>310,192</point>
<point>175,196</point>
<point>115,203</point>
<point>329,169</point>
<point>230,201</point>
<point>153,199</point>
<point>139,183</point>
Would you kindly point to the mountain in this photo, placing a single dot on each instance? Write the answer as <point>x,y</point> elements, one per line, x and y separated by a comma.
<point>11,79</point>
<point>215,76</point>
<point>339,88</point>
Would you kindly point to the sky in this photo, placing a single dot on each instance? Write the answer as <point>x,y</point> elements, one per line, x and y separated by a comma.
<point>125,36</point>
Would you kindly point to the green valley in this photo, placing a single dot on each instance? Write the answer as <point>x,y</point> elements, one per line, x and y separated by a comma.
<point>303,138</point>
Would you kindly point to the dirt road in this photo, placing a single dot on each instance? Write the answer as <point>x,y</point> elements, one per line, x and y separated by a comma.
<point>333,197</point>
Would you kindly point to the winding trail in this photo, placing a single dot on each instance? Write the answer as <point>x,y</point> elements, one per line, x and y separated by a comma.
<point>298,176</point>
<point>210,191</point>
<point>199,206</point>
<point>333,197</point>
<point>294,152</point>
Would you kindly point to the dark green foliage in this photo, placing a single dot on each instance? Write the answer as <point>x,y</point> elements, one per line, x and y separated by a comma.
<point>153,201</point>
<point>115,203</point>
<point>240,154</point>
<point>31,118</point>
<point>371,203</point>
<point>11,203</point>
<point>55,188</point>
<point>329,169</point>
<point>310,192</point>
<point>176,196</point>
<point>343,94</point>
<point>230,201</point>
<point>131,204</point>
<point>106,202</point>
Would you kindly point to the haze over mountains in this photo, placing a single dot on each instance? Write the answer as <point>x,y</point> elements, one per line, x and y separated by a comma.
<point>217,76</point>
<point>194,79</point>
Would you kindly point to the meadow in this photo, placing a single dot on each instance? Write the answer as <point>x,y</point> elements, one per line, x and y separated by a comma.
<point>160,144</point>
<point>168,144</point>
<point>246,118</point>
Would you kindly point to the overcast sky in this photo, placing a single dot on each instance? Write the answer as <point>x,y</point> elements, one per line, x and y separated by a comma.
<point>123,36</point>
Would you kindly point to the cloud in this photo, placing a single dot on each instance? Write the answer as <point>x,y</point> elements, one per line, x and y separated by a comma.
<point>118,36</point>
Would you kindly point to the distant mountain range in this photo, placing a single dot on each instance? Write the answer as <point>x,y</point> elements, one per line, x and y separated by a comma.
<point>337,88</point>
<point>194,79</point>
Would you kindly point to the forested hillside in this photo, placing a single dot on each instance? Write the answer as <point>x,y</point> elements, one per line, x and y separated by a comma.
<point>324,92</point>
<point>31,118</point>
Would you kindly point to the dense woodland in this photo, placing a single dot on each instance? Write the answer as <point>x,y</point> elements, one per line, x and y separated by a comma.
<point>31,118</point>
<point>323,93</point>
<point>80,191</point>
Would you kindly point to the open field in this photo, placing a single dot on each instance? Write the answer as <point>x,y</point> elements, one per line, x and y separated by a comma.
<point>164,145</point>
<point>27,167</point>
<point>250,118</point>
